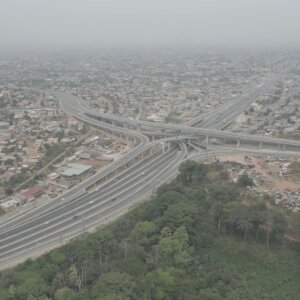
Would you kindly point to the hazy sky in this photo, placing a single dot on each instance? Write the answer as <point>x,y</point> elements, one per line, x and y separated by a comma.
<point>117,23</point>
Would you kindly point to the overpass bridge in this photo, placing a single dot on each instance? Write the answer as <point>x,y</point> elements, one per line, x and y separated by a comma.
<point>124,127</point>
<point>157,151</point>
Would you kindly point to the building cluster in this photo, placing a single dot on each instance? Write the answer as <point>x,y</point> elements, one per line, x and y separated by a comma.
<point>159,86</point>
<point>33,132</point>
<point>277,114</point>
<point>92,154</point>
<point>272,179</point>
<point>172,86</point>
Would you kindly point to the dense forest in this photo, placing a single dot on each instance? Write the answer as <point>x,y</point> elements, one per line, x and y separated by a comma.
<point>200,237</point>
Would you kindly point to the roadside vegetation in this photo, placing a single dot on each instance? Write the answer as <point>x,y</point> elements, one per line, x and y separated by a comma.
<point>200,237</point>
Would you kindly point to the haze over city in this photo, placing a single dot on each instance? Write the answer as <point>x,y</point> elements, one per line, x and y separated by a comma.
<point>149,149</point>
<point>142,23</point>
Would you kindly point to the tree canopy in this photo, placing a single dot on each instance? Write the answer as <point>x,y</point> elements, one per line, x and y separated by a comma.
<point>196,239</point>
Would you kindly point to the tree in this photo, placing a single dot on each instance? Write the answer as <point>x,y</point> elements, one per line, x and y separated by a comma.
<point>8,278</point>
<point>179,214</point>
<point>295,225</point>
<point>266,226</point>
<point>224,193</point>
<point>244,181</point>
<point>186,170</point>
<point>142,231</point>
<point>245,225</point>
<point>105,243</point>
<point>57,257</point>
<point>159,285</point>
<point>65,294</point>
<point>114,285</point>
<point>155,210</point>
<point>241,219</point>
<point>174,246</point>
<point>76,277</point>
<point>33,288</point>
<point>12,292</point>
<point>273,224</point>
<point>210,294</point>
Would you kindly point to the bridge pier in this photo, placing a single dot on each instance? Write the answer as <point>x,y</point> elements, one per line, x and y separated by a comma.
<point>238,143</point>
<point>260,145</point>
<point>207,140</point>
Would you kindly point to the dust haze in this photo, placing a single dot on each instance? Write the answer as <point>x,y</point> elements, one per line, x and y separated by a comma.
<point>145,23</point>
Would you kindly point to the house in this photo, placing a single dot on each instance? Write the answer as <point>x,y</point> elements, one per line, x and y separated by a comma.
<point>31,193</point>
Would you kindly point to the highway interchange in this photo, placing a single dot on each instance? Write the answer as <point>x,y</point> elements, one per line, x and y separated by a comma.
<point>157,150</point>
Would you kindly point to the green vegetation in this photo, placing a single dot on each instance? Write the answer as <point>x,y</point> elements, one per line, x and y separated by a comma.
<point>52,151</point>
<point>245,181</point>
<point>200,237</point>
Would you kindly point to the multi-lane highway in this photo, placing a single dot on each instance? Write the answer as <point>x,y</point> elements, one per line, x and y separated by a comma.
<point>127,180</point>
<point>86,210</point>
<point>211,124</point>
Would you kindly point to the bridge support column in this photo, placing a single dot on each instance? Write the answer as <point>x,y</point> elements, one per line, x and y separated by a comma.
<point>238,143</point>
<point>260,145</point>
<point>283,147</point>
<point>207,140</point>
<point>152,137</point>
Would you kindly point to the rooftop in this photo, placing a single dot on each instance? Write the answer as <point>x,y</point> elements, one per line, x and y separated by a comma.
<point>75,169</point>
